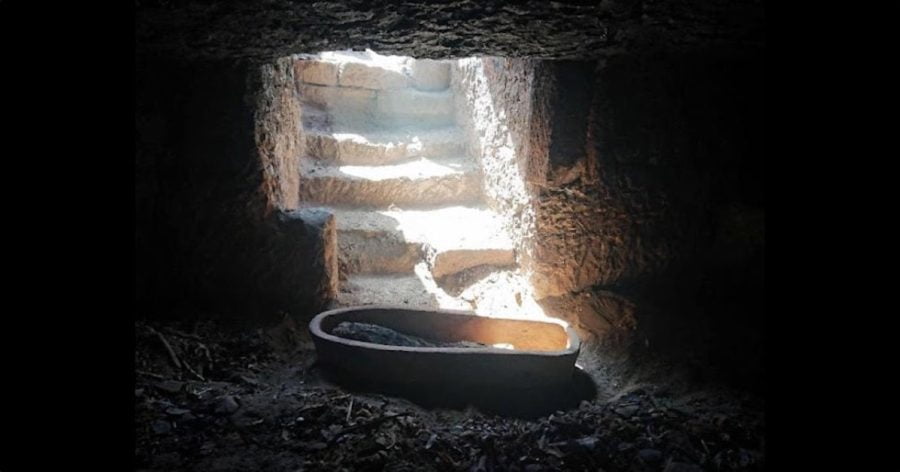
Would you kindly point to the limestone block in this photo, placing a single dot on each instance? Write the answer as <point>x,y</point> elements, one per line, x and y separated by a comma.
<point>416,106</point>
<point>383,148</point>
<point>316,72</point>
<point>412,183</point>
<point>314,236</point>
<point>338,98</point>
<point>443,263</point>
<point>430,75</point>
<point>354,74</point>
<point>377,252</point>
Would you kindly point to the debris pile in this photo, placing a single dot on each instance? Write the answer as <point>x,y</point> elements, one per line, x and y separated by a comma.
<point>381,335</point>
<point>212,400</point>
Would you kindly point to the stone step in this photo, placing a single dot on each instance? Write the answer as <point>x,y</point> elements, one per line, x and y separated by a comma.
<point>361,252</point>
<point>449,239</point>
<point>502,293</point>
<point>384,108</point>
<point>389,289</point>
<point>416,183</point>
<point>365,147</point>
<point>374,72</point>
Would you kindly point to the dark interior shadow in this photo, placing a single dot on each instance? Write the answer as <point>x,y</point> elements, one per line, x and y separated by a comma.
<point>509,401</point>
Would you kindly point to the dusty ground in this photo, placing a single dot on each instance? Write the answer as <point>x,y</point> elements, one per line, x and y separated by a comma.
<point>254,399</point>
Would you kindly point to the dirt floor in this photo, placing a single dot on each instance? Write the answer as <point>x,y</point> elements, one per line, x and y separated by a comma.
<point>216,398</point>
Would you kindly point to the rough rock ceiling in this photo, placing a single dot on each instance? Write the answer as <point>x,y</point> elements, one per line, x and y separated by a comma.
<point>265,29</point>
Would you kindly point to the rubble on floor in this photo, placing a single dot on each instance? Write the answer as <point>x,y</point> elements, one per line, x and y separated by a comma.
<point>215,399</point>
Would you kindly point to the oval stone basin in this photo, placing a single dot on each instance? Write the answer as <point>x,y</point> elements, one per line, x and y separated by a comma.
<point>507,353</point>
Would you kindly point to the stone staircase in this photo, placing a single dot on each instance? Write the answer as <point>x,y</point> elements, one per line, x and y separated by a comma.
<point>384,154</point>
